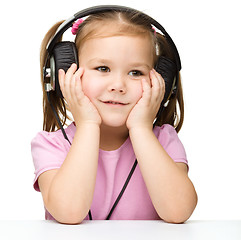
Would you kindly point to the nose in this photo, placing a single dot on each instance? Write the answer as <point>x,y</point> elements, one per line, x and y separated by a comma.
<point>117,85</point>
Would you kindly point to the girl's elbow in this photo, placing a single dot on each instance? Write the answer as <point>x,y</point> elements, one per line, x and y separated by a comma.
<point>184,212</point>
<point>176,219</point>
<point>181,214</point>
<point>69,218</point>
<point>68,215</point>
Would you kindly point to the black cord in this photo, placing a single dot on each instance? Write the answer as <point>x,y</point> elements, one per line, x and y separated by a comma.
<point>90,215</point>
<point>123,189</point>
<point>57,118</point>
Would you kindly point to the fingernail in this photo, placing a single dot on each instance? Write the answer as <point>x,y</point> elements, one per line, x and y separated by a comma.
<point>61,70</point>
<point>81,69</point>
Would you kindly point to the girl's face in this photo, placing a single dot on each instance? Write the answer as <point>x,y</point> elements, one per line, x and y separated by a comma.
<point>113,69</point>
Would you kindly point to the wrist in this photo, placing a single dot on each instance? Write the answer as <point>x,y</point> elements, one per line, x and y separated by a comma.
<point>81,123</point>
<point>141,126</point>
<point>141,129</point>
<point>86,125</point>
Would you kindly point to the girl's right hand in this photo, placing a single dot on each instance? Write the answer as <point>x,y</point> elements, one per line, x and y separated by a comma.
<point>81,107</point>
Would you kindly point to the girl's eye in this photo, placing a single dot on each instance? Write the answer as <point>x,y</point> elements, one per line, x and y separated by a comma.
<point>135,73</point>
<point>103,69</point>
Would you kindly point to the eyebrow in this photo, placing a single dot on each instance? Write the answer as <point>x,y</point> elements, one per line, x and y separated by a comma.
<point>99,60</point>
<point>140,64</point>
<point>107,61</point>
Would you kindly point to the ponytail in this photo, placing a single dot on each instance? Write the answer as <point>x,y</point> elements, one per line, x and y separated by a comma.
<point>170,114</point>
<point>49,121</point>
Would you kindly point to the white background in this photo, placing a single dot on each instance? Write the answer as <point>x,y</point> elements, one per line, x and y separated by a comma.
<point>207,35</point>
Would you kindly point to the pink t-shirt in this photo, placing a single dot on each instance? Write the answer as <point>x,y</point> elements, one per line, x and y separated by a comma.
<point>49,150</point>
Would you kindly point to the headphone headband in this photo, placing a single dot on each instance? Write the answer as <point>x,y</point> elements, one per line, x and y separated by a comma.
<point>104,8</point>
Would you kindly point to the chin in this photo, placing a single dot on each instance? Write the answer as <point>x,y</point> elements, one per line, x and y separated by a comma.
<point>115,123</point>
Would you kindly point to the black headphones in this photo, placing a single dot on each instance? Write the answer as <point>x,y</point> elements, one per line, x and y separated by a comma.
<point>60,55</point>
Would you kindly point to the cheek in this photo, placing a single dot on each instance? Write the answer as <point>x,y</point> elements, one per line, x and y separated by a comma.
<point>90,86</point>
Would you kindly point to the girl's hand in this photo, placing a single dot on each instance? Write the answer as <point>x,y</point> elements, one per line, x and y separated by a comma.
<point>80,106</point>
<point>144,112</point>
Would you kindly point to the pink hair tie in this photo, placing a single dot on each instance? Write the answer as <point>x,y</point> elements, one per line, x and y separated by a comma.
<point>154,30</point>
<point>75,26</point>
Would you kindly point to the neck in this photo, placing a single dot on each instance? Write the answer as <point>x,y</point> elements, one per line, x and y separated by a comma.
<point>112,138</point>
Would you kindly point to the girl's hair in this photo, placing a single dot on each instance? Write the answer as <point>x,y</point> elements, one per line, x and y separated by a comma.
<point>113,23</point>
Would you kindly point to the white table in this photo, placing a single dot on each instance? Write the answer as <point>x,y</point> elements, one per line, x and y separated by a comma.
<point>105,230</point>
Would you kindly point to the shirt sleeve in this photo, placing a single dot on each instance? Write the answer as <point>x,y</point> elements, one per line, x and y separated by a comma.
<point>170,141</point>
<point>48,152</point>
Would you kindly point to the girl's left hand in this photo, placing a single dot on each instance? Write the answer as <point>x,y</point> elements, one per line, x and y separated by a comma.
<point>144,112</point>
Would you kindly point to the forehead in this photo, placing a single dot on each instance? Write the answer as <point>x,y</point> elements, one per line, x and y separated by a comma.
<point>118,48</point>
<point>113,27</point>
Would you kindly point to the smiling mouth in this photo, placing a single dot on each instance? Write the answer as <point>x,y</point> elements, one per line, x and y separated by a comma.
<point>114,103</point>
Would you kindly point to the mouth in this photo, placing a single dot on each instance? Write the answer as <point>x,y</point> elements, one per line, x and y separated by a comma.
<point>110,102</point>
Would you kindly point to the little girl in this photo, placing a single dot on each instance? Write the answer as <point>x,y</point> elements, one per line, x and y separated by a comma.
<point>114,95</point>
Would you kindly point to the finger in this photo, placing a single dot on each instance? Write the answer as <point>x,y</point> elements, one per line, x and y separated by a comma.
<point>78,84</point>
<point>160,78</point>
<point>158,85</point>
<point>68,79</point>
<point>70,72</point>
<point>75,79</point>
<point>72,69</point>
<point>162,82</point>
<point>155,85</point>
<point>146,95</point>
<point>78,76</point>
<point>61,81</point>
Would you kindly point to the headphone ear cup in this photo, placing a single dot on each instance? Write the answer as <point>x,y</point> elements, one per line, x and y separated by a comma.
<point>168,71</point>
<point>64,54</point>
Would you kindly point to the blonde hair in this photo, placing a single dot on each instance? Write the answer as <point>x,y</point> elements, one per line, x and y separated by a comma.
<point>113,23</point>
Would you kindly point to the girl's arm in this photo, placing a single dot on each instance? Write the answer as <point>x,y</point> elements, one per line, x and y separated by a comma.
<point>68,192</point>
<point>171,191</point>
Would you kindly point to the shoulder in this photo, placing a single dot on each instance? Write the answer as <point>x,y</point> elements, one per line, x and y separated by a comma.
<point>168,138</point>
<point>165,132</point>
<point>50,146</point>
<point>53,139</point>
<point>49,150</point>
